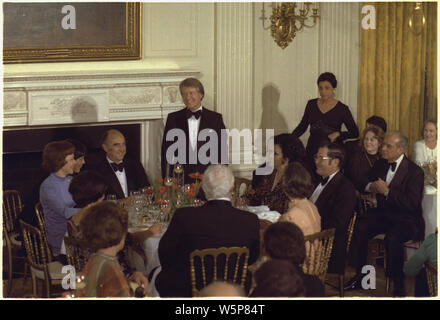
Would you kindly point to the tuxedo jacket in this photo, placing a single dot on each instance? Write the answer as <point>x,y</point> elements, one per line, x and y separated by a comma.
<point>404,201</point>
<point>215,224</point>
<point>134,171</point>
<point>208,120</point>
<point>336,205</point>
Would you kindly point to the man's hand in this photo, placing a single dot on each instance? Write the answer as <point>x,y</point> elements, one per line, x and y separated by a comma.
<point>379,186</point>
<point>155,229</point>
<point>140,279</point>
<point>333,136</point>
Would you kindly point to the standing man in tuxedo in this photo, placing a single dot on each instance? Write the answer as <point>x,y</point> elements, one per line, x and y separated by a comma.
<point>215,224</point>
<point>335,198</point>
<point>190,122</point>
<point>398,184</point>
<point>121,174</point>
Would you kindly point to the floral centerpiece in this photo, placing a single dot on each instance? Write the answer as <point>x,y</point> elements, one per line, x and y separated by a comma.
<point>169,196</point>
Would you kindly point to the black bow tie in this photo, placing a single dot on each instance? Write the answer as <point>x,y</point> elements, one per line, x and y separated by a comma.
<point>196,114</point>
<point>323,181</point>
<point>117,167</point>
<point>392,165</point>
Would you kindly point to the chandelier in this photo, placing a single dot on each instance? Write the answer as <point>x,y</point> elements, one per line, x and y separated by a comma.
<point>290,17</point>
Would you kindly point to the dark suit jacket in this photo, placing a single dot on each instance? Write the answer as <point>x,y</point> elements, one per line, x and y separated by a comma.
<point>404,201</point>
<point>336,205</point>
<point>213,225</point>
<point>178,120</point>
<point>134,171</point>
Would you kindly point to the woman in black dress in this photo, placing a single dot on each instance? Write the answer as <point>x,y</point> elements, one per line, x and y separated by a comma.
<point>363,159</point>
<point>325,116</point>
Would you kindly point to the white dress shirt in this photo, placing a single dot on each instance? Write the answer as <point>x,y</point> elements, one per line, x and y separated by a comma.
<point>321,187</point>
<point>193,130</point>
<point>121,177</point>
<point>390,174</point>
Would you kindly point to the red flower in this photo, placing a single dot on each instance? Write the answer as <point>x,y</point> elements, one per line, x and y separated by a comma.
<point>162,189</point>
<point>158,201</point>
<point>195,175</point>
<point>149,191</point>
<point>191,194</point>
<point>160,180</point>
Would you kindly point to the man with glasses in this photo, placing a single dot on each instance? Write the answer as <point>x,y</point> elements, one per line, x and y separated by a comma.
<point>335,198</point>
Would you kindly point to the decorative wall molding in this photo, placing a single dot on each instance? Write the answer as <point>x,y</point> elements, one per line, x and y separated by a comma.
<point>180,36</point>
<point>58,99</point>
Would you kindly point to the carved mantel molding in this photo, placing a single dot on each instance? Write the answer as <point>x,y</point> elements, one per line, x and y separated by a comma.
<point>93,97</point>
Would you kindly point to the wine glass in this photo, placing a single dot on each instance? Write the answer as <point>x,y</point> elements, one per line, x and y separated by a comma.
<point>148,193</point>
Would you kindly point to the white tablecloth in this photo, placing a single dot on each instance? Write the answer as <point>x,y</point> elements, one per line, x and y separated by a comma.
<point>429,205</point>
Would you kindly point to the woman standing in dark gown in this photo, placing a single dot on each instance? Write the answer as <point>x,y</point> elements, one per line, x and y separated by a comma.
<point>325,116</point>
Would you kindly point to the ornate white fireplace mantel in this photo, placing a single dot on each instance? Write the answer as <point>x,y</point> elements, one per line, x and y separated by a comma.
<point>94,97</point>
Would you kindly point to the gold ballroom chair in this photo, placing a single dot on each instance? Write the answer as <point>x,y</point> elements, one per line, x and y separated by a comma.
<point>235,258</point>
<point>40,218</point>
<point>12,207</point>
<point>40,261</point>
<point>431,277</point>
<point>77,252</point>
<point>318,251</point>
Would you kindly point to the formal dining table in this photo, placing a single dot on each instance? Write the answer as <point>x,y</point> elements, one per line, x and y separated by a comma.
<point>429,205</point>
<point>151,244</point>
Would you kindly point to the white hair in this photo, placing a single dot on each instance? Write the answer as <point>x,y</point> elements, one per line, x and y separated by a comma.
<point>217,181</point>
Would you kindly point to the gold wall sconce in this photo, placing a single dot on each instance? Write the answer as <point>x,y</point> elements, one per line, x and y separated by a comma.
<point>417,19</point>
<point>290,17</point>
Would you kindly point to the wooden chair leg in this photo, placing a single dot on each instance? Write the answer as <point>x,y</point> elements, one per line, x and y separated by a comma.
<point>9,271</point>
<point>387,284</point>
<point>341,285</point>
<point>26,266</point>
<point>34,285</point>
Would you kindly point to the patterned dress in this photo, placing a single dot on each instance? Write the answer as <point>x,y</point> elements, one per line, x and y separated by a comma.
<point>104,278</point>
<point>263,194</point>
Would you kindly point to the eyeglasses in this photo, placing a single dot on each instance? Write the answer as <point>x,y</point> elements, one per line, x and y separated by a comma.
<point>316,157</point>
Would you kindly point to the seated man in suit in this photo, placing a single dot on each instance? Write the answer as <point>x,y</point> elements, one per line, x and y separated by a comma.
<point>397,183</point>
<point>215,224</point>
<point>122,175</point>
<point>335,198</point>
<point>192,122</point>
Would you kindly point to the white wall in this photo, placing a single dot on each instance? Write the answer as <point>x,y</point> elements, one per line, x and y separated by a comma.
<point>290,74</point>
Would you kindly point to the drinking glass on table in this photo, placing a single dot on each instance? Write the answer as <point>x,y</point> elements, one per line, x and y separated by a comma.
<point>148,194</point>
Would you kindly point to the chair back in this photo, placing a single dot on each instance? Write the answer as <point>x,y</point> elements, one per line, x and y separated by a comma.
<point>40,215</point>
<point>318,251</point>
<point>37,252</point>
<point>77,252</point>
<point>226,264</point>
<point>12,207</point>
<point>431,277</point>
<point>40,218</point>
<point>350,230</point>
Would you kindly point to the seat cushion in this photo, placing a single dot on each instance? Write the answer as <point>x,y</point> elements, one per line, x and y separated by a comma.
<point>15,239</point>
<point>54,271</point>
